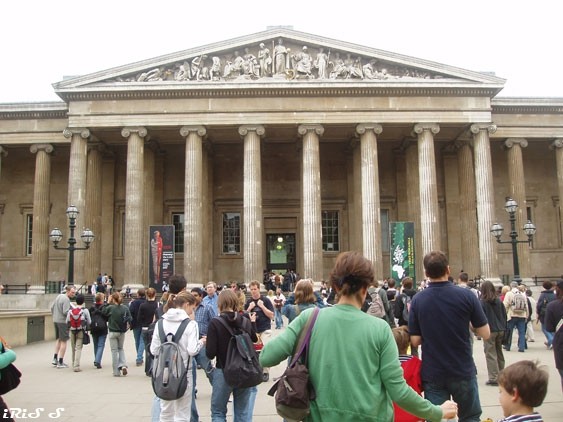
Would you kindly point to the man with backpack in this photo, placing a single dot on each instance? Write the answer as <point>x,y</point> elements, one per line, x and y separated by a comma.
<point>516,305</point>
<point>377,304</point>
<point>403,301</point>
<point>79,321</point>
<point>98,328</point>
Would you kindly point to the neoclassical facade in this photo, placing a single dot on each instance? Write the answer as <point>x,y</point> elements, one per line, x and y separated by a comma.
<point>275,150</point>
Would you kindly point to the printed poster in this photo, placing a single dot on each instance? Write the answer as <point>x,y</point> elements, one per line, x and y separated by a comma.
<point>161,256</point>
<point>402,250</point>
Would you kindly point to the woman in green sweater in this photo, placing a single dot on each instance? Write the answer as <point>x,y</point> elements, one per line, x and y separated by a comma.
<point>353,358</point>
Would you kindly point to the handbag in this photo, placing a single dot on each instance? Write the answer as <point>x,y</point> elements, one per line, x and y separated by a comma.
<point>259,345</point>
<point>86,338</point>
<point>293,391</point>
<point>10,377</point>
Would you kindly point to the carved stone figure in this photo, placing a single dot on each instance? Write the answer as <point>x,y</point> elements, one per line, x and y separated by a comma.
<point>250,64</point>
<point>150,76</point>
<point>265,61</point>
<point>198,68</point>
<point>355,68</point>
<point>370,70</point>
<point>280,53</point>
<point>215,71</point>
<point>321,63</point>
<point>339,69</point>
<point>303,63</point>
<point>182,73</point>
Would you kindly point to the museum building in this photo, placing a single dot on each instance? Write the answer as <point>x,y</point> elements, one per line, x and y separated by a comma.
<point>279,150</point>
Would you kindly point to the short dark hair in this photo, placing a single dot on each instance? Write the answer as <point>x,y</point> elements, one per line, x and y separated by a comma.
<point>528,378</point>
<point>80,299</point>
<point>463,277</point>
<point>177,283</point>
<point>435,264</point>
<point>197,290</point>
<point>141,292</point>
<point>547,284</point>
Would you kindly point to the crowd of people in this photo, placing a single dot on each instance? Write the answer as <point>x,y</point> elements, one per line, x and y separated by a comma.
<point>414,359</point>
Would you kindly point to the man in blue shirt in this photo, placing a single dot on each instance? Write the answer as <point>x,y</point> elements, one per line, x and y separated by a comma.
<point>211,298</point>
<point>438,320</point>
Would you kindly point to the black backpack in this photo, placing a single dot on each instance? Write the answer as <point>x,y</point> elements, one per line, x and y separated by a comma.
<point>169,374</point>
<point>99,323</point>
<point>241,368</point>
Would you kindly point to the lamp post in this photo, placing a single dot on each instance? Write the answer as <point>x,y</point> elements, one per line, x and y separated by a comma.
<point>496,230</point>
<point>56,236</point>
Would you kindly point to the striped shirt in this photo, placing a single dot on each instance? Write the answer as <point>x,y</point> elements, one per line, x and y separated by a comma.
<point>534,417</point>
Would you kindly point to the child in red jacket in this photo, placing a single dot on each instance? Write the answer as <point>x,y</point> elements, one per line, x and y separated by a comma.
<point>411,371</point>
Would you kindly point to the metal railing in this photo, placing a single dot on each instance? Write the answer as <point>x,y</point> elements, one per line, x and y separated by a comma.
<point>11,288</point>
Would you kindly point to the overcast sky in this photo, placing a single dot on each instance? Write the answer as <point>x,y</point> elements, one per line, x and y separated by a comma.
<point>44,41</point>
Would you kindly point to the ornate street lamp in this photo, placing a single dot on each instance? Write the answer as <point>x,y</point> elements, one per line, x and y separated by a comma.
<point>496,230</point>
<point>87,237</point>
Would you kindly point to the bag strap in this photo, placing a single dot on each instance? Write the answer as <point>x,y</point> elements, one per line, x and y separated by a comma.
<point>305,336</point>
<point>179,331</point>
<point>227,326</point>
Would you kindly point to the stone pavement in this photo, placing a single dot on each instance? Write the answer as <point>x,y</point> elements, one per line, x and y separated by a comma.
<point>95,395</point>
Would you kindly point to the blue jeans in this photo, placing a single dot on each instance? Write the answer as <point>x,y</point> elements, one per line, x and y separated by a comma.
<point>139,344</point>
<point>99,344</point>
<point>278,318</point>
<point>464,392</point>
<point>548,335</point>
<point>220,397</point>
<point>520,324</point>
<point>201,360</point>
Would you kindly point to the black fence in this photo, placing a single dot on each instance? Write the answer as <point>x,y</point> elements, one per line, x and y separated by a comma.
<point>15,289</point>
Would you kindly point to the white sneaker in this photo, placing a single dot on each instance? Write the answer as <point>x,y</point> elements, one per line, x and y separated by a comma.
<point>62,365</point>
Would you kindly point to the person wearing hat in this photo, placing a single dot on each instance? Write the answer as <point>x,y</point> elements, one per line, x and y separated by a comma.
<point>554,324</point>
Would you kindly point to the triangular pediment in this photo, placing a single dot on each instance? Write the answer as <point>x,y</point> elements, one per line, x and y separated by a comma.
<point>277,56</point>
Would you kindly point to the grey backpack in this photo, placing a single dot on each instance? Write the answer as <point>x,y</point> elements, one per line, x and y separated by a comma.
<point>169,374</point>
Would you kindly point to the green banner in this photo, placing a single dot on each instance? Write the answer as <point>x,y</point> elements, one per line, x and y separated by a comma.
<point>402,250</point>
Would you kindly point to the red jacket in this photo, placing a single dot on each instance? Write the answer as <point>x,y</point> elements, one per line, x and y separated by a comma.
<point>411,372</point>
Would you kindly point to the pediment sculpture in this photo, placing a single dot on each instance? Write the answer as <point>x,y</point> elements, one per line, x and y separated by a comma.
<point>283,61</point>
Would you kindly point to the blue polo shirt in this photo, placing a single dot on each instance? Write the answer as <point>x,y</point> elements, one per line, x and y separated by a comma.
<point>441,314</point>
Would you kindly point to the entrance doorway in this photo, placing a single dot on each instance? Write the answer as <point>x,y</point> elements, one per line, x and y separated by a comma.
<point>280,252</point>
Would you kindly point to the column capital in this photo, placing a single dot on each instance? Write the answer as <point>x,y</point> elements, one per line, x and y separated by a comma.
<point>477,127</point>
<point>510,142</point>
<point>201,131</point>
<point>365,127</point>
<point>421,127</point>
<point>259,129</point>
<point>82,131</point>
<point>48,148</point>
<point>3,151</point>
<point>96,146</point>
<point>556,144</point>
<point>140,130</point>
<point>303,129</point>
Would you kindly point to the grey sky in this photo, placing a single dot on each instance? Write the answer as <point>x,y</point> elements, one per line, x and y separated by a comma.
<point>43,41</point>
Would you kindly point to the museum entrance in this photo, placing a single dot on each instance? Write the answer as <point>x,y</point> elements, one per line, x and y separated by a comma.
<point>280,252</point>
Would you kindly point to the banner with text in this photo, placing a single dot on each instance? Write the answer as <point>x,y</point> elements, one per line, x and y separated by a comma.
<point>161,256</point>
<point>402,250</point>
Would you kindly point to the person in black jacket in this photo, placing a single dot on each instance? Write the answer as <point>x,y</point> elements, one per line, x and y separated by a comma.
<point>546,296</point>
<point>496,315</point>
<point>217,342</point>
<point>145,317</point>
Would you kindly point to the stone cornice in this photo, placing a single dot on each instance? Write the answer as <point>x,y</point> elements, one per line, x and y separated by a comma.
<point>179,91</point>
<point>20,111</point>
<point>527,106</point>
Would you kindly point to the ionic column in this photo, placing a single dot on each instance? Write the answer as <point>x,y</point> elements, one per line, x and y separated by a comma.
<point>371,213</point>
<point>467,206</point>
<point>413,202</point>
<point>485,197</point>
<point>311,206</point>
<point>41,206</point>
<point>134,201</point>
<point>77,188</point>
<point>93,210</point>
<point>517,187</point>
<point>253,227</point>
<point>3,153</point>
<point>149,199</point>
<point>193,204</point>
<point>557,145</point>
<point>429,213</point>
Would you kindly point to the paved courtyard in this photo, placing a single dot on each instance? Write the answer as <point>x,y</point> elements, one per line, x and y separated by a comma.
<point>98,396</point>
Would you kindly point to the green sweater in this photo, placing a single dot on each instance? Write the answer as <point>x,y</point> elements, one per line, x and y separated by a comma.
<point>354,367</point>
<point>115,314</point>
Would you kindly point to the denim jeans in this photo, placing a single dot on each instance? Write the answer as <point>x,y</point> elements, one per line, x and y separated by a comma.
<point>139,344</point>
<point>278,318</point>
<point>201,360</point>
<point>548,335</point>
<point>220,397</point>
<point>99,343</point>
<point>520,324</point>
<point>148,356</point>
<point>464,392</point>
<point>116,341</point>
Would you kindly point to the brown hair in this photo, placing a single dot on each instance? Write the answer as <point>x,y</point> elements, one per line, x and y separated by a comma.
<point>99,298</point>
<point>407,283</point>
<point>117,299</point>
<point>488,291</point>
<point>435,264</point>
<point>547,285</point>
<point>304,291</point>
<point>151,293</point>
<point>254,283</point>
<point>402,338</point>
<point>528,378</point>
<point>178,300</point>
<point>227,301</point>
<point>351,272</point>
